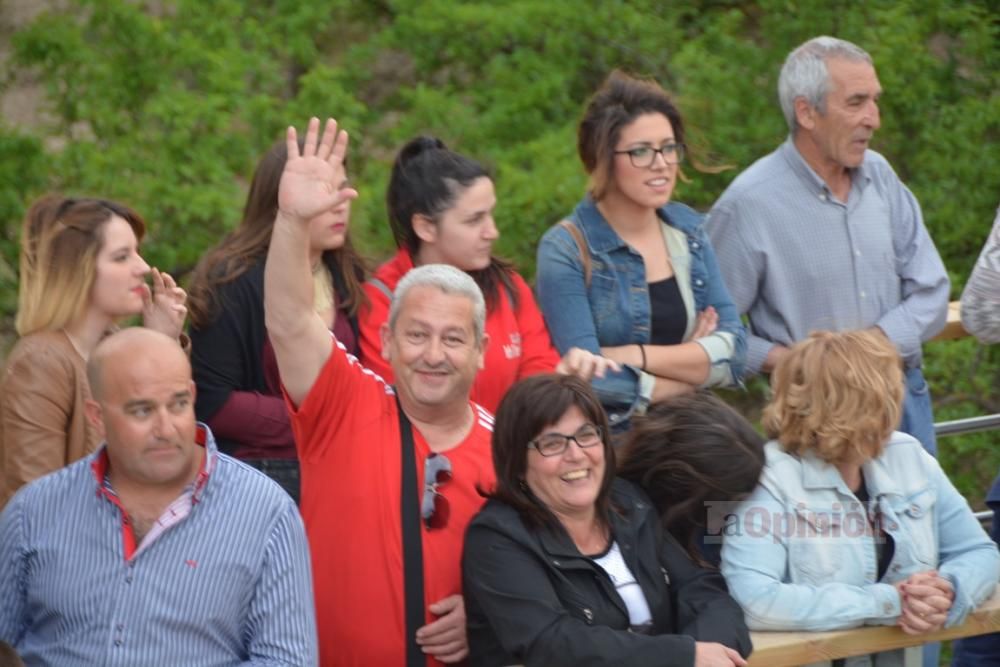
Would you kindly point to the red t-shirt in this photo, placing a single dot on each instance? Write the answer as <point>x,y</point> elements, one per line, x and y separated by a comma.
<point>519,341</point>
<point>347,433</point>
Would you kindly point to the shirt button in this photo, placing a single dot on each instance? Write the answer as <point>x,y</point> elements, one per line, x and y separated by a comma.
<point>699,282</point>
<point>128,579</point>
<point>863,294</point>
<point>118,642</point>
<point>119,627</point>
<point>822,196</point>
<point>857,253</point>
<point>694,244</point>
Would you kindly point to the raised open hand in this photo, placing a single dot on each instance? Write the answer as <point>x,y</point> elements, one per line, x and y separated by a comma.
<point>312,179</point>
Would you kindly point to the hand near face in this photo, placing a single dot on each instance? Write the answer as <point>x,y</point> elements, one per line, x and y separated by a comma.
<point>164,306</point>
<point>311,181</point>
<point>585,365</point>
<point>445,638</point>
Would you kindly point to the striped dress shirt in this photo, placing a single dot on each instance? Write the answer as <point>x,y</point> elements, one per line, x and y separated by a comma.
<point>796,259</point>
<point>222,579</point>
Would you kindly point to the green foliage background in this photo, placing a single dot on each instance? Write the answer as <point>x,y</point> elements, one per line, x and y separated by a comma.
<point>166,105</point>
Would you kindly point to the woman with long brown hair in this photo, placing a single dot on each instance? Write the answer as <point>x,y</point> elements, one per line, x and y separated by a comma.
<point>239,391</point>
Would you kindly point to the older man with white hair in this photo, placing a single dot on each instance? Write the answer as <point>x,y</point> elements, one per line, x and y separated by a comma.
<point>822,234</point>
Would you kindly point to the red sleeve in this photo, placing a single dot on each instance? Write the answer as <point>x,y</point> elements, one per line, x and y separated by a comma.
<point>344,395</point>
<point>538,354</point>
<point>370,320</point>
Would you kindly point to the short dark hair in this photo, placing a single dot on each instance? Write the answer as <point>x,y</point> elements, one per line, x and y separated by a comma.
<point>620,100</point>
<point>689,450</point>
<point>526,409</point>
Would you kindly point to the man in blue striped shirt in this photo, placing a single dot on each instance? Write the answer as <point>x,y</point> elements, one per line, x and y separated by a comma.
<point>157,549</point>
<point>822,234</point>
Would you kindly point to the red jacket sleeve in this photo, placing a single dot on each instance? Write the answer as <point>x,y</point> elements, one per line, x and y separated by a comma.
<point>538,354</point>
<point>370,320</point>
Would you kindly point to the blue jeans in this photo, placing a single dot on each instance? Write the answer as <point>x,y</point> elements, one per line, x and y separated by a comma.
<point>918,413</point>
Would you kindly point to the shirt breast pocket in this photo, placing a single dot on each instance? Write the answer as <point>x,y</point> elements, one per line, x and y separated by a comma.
<point>608,306</point>
<point>917,525</point>
<point>815,548</point>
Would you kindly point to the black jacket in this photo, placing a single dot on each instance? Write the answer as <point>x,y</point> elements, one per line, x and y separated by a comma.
<point>532,598</point>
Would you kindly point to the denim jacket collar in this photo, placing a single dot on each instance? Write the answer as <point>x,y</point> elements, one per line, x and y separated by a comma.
<point>602,238</point>
<point>817,474</point>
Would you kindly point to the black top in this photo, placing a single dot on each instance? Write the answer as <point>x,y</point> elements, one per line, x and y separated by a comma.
<point>668,316</point>
<point>532,598</point>
<point>885,546</point>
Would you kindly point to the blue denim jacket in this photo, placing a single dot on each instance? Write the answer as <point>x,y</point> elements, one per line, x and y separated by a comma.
<point>798,554</point>
<point>614,309</point>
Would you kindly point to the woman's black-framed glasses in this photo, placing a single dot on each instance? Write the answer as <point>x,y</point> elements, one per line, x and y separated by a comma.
<point>554,444</point>
<point>434,507</point>
<point>642,157</point>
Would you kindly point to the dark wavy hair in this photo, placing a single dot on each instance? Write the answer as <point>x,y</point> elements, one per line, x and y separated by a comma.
<point>687,451</point>
<point>247,245</point>
<point>526,409</point>
<point>427,178</point>
<point>620,100</point>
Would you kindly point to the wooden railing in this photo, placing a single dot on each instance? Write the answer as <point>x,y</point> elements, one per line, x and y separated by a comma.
<point>786,649</point>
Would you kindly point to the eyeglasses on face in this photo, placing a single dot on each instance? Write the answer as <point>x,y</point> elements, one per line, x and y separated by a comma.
<point>434,507</point>
<point>642,157</point>
<point>554,444</point>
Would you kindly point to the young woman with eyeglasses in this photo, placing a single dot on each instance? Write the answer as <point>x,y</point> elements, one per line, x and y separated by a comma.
<point>630,274</point>
<point>80,274</point>
<point>567,564</point>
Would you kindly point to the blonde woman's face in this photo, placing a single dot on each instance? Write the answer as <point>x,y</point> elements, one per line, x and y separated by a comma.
<point>119,287</point>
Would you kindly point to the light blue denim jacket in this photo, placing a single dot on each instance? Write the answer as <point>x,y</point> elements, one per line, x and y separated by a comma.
<point>798,553</point>
<point>614,309</point>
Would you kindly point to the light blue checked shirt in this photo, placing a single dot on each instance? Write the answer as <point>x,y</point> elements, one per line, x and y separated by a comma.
<point>796,259</point>
<point>223,579</point>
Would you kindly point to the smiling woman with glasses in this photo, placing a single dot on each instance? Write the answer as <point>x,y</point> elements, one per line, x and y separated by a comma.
<point>567,565</point>
<point>631,274</point>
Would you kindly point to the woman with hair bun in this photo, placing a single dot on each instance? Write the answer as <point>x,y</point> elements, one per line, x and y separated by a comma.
<point>440,206</point>
<point>80,273</point>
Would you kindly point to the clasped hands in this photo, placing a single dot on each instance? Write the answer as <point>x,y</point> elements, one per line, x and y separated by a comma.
<point>926,598</point>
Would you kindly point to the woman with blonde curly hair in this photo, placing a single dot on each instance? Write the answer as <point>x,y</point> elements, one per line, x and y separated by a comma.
<point>852,523</point>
